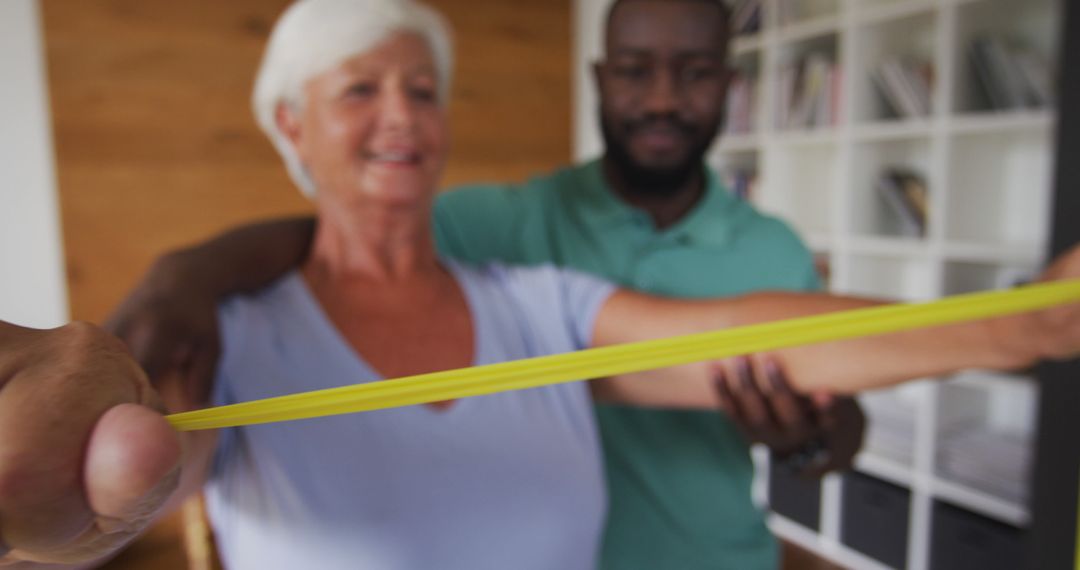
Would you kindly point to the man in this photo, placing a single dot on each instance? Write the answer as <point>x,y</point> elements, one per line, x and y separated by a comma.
<point>650,216</point>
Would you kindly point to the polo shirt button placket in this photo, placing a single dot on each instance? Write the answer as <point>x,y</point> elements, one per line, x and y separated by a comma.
<point>642,276</point>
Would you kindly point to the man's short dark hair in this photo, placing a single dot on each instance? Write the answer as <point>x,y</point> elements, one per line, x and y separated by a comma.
<point>721,5</point>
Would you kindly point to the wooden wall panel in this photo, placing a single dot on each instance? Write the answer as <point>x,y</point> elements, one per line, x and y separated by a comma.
<point>156,145</point>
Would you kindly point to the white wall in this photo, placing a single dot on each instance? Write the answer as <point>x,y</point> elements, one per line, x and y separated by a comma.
<point>588,28</point>
<point>32,283</point>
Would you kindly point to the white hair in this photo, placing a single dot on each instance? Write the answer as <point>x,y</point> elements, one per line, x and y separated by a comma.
<point>314,36</point>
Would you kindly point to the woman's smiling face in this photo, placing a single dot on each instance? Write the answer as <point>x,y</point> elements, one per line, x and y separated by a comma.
<point>373,128</point>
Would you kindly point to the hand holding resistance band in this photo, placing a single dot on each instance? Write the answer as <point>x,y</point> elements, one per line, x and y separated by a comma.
<point>86,459</point>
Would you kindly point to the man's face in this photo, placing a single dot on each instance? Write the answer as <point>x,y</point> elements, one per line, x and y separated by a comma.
<point>662,87</point>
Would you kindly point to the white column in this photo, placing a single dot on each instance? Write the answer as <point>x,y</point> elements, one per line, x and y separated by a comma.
<point>32,283</point>
<point>588,28</point>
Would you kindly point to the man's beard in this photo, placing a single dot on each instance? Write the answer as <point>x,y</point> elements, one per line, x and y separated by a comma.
<point>654,180</point>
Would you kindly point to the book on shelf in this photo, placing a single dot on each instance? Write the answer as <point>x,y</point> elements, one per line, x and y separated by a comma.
<point>741,183</point>
<point>793,11</point>
<point>746,17</point>
<point>786,12</point>
<point>904,192</point>
<point>995,462</point>
<point>809,93</point>
<point>906,85</point>
<point>1011,77</point>
<point>823,267</point>
<point>890,431</point>
<point>741,105</point>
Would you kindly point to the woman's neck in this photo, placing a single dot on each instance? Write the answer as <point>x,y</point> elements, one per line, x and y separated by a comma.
<point>378,244</point>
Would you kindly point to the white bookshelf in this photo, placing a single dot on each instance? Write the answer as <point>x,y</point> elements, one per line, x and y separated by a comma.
<point>988,175</point>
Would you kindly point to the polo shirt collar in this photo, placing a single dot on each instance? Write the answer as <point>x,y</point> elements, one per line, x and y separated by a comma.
<point>710,222</point>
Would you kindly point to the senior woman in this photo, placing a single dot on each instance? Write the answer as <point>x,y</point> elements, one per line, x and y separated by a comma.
<point>352,92</point>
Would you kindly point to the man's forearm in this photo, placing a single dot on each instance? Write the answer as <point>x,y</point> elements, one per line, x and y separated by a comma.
<point>169,321</point>
<point>242,259</point>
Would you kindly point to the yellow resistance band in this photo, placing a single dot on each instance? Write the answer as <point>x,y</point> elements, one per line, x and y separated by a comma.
<point>631,357</point>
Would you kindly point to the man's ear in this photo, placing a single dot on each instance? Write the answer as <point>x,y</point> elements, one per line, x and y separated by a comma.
<point>729,74</point>
<point>288,122</point>
<point>598,75</point>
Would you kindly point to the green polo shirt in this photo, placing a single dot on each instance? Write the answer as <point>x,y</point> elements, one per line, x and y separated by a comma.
<point>678,481</point>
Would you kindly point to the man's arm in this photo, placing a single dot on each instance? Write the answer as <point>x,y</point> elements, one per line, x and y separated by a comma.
<point>808,434</point>
<point>169,320</point>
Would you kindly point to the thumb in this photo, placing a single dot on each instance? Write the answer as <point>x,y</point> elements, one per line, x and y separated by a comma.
<point>130,469</point>
<point>132,464</point>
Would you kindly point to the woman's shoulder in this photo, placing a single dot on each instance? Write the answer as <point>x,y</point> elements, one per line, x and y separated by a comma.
<point>518,276</point>
<point>539,297</point>
<point>244,318</point>
<point>285,292</point>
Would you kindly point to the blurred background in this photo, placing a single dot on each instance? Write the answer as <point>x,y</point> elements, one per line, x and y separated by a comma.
<point>913,143</point>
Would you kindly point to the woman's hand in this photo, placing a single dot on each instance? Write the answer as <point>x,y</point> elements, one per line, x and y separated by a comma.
<point>1052,333</point>
<point>86,458</point>
<point>1061,325</point>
